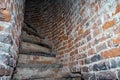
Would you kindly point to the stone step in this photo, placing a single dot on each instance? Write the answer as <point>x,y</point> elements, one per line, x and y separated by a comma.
<point>35,40</point>
<point>35,67</point>
<point>36,59</point>
<point>39,66</point>
<point>30,47</point>
<point>33,74</point>
<point>30,31</point>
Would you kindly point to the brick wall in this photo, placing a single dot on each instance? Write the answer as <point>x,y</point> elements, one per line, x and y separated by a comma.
<point>11,17</point>
<point>85,35</point>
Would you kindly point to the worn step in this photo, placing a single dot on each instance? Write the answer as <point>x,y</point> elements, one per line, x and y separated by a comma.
<point>30,31</point>
<point>36,59</point>
<point>38,62</point>
<point>38,66</point>
<point>32,67</point>
<point>27,47</point>
<point>35,40</point>
<point>33,73</point>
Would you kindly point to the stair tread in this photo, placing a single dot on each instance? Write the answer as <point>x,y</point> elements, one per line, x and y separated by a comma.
<point>38,66</point>
<point>31,74</point>
<point>30,47</point>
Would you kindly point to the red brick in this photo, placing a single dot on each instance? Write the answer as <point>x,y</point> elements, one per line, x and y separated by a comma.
<point>86,32</point>
<point>117,9</point>
<point>108,24</point>
<point>116,40</point>
<point>91,52</point>
<point>111,53</point>
<point>5,15</point>
<point>65,37</point>
<point>81,62</point>
<point>80,31</point>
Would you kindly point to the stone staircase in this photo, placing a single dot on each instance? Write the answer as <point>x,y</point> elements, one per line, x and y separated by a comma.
<point>32,67</point>
<point>36,61</point>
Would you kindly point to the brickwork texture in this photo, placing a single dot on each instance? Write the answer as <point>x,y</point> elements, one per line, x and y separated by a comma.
<point>11,18</point>
<point>85,35</point>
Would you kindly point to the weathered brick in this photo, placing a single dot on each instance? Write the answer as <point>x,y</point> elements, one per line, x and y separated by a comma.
<point>8,71</point>
<point>5,58</point>
<point>6,38</point>
<point>114,52</point>
<point>65,37</point>
<point>80,31</point>
<point>108,24</point>
<point>86,32</point>
<point>88,76</point>
<point>11,19</point>
<point>106,75</point>
<point>89,38</point>
<point>117,30</point>
<point>2,70</point>
<point>117,9</point>
<point>85,69</point>
<point>1,28</point>
<point>80,56</point>
<point>91,51</point>
<point>81,62</point>
<point>118,61</point>
<point>81,12</point>
<point>101,47</point>
<point>5,15</point>
<point>87,61</point>
<point>79,25</point>
<point>116,40</point>
<point>95,58</point>
<point>100,66</point>
<point>96,32</point>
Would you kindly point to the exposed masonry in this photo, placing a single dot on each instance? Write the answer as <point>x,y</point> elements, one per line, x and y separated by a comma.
<point>68,39</point>
<point>11,18</point>
<point>85,35</point>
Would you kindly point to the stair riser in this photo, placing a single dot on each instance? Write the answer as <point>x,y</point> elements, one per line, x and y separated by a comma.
<point>36,59</point>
